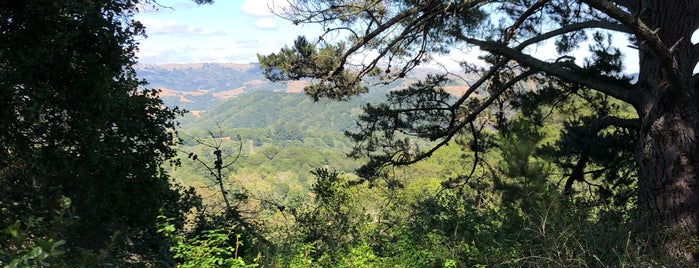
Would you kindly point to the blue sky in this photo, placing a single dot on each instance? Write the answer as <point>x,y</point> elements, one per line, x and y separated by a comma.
<point>235,31</point>
<point>230,31</point>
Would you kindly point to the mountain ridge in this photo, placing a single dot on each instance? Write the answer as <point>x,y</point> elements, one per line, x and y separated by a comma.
<point>199,87</point>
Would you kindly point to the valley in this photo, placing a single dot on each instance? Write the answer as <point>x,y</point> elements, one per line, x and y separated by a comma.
<point>283,135</point>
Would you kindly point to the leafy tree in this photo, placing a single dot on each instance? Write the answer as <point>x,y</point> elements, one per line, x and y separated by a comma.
<point>326,229</point>
<point>400,35</point>
<point>209,248</point>
<point>75,126</point>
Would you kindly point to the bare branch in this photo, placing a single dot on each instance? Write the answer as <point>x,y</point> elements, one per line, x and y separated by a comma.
<point>483,78</point>
<point>237,156</point>
<point>476,159</point>
<point>376,32</point>
<point>401,37</point>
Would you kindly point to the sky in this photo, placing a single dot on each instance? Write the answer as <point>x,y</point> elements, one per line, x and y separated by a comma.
<point>228,31</point>
<point>235,31</point>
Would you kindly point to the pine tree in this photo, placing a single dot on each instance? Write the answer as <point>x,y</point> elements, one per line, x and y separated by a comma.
<point>397,36</point>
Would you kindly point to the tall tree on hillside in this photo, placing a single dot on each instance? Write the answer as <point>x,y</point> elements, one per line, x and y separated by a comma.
<point>394,37</point>
<point>74,124</point>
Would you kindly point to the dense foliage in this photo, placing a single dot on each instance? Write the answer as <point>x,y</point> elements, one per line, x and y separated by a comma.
<point>533,164</point>
<point>512,211</point>
<point>395,37</point>
<point>81,147</point>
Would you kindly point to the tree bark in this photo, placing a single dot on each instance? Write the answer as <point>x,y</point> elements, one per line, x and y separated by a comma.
<point>667,186</point>
<point>668,154</point>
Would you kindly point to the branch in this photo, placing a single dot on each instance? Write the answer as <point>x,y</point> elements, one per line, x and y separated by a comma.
<point>317,14</point>
<point>632,5</point>
<point>485,77</point>
<point>450,184</point>
<point>240,150</point>
<point>577,174</point>
<point>371,35</point>
<point>575,27</point>
<point>408,29</point>
<point>565,70</point>
<point>467,120</point>
<point>523,17</point>
<point>633,123</point>
<point>645,34</point>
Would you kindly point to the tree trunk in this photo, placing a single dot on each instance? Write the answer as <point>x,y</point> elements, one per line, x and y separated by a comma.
<point>668,154</point>
<point>667,186</point>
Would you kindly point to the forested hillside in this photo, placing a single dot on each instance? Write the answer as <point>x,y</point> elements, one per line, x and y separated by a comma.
<point>274,121</point>
<point>350,153</point>
<point>288,172</point>
<point>201,87</point>
<point>289,143</point>
<point>282,135</point>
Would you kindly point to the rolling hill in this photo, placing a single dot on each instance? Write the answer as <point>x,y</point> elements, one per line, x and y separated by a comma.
<point>202,86</point>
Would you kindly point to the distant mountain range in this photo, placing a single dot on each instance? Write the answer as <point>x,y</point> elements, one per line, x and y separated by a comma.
<point>200,87</point>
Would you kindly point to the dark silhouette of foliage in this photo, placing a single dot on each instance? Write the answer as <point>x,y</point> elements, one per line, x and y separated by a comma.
<point>75,125</point>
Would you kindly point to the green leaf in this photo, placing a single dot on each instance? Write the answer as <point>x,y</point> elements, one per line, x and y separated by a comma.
<point>14,229</point>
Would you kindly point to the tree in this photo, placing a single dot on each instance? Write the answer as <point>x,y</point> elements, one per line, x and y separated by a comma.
<point>75,125</point>
<point>219,166</point>
<point>396,36</point>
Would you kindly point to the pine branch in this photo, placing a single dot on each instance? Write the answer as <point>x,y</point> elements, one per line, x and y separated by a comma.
<point>572,28</point>
<point>649,37</point>
<point>467,120</point>
<point>566,70</point>
<point>527,13</point>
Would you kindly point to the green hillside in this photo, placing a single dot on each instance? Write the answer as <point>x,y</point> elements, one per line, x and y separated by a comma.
<point>284,137</point>
<point>263,109</point>
<point>287,172</point>
<point>202,87</point>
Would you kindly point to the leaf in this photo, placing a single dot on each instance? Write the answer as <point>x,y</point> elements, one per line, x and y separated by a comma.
<point>14,229</point>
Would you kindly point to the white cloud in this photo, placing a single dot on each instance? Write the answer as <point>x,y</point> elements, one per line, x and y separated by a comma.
<point>172,27</point>
<point>228,31</point>
<point>266,23</point>
<point>180,49</point>
<point>153,53</point>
